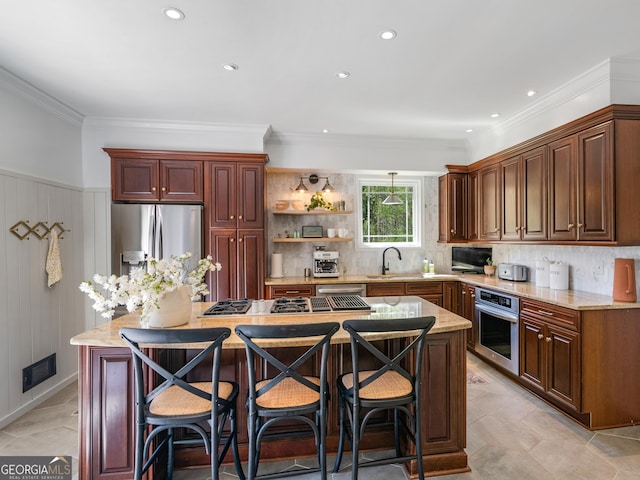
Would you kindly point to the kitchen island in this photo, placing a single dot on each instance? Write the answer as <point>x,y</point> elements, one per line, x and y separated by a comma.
<point>106,388</point>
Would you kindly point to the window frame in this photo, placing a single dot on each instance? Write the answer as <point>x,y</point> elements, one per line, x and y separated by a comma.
<point>417,186</point>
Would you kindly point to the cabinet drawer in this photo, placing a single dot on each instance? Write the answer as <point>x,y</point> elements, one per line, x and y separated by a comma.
<point>384,289</point>
<point>551,313</point>
<point>424,288</point>
<point>292,291</point>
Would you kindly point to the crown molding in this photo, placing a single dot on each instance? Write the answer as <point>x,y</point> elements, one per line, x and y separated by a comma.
<point>427,144</point>
<point>40,98</point>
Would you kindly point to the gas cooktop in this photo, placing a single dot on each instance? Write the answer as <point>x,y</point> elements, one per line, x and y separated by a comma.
<point>332,303</point>
<point>229,307</point>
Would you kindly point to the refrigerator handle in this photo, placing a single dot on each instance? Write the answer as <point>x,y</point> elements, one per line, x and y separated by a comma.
<point>153,231</point>
<point>159,231</point>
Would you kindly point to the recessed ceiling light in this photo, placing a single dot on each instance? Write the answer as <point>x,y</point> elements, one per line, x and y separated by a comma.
<point>342,74</point>
<point>173,13</point>
<point>495,115</point>
<point>232,67</point>
<point>531,93</point>
<point>469,130</point>
<point>388,34</point>
<point>325,131</point>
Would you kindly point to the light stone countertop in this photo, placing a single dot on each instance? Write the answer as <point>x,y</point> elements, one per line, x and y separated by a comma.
<point>573,299</point>
<point>107,335</point>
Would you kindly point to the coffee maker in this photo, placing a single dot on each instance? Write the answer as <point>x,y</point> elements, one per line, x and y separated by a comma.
<point>325,264</point>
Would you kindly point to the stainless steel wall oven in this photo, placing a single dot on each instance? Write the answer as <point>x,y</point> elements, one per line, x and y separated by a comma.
<point>497,315</point>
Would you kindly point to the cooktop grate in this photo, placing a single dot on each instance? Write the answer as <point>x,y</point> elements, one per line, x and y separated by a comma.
<point>348,302</point>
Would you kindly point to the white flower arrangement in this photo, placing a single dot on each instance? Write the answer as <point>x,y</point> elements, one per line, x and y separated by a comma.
<point>145,287</point>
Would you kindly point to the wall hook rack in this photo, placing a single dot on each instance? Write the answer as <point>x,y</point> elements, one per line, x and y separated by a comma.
<point>23,230</point>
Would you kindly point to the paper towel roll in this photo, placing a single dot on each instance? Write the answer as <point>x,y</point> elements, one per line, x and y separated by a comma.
<point>276,265</point>
<point>542,273</point>
<point>559,276</point>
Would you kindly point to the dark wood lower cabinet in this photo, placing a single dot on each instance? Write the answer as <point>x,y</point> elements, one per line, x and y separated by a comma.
<point>107,423</point>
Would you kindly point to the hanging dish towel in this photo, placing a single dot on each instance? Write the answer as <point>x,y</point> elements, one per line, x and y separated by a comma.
<point>54,265</point>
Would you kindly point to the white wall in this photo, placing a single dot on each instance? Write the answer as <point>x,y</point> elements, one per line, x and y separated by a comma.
<point>40,171</point>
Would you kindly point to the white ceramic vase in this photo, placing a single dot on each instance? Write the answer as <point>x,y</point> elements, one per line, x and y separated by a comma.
<point>175,309</point>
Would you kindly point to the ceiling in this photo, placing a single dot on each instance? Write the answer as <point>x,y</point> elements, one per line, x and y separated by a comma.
<point>452,64</point>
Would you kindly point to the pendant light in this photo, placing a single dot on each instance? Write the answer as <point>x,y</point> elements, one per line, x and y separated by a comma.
<point>327,186</point>
<point>392,199</point>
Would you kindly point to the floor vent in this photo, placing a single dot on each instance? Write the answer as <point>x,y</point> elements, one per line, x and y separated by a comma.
<point>38,372</point>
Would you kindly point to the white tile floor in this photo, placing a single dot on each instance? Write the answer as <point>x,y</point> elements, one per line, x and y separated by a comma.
<point>511,435</point>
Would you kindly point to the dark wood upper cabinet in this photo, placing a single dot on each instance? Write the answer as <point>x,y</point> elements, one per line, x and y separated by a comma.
<point>595,184</point>
<point>453,207</point>
<point>562,189</point>
<point>152,180</point>
<point>489,203</point>
<point>524,196</point>
<point>576,183</point>
<point>235,194</point>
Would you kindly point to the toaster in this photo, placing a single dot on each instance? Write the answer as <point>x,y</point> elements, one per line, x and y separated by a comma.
<point>513,272</point>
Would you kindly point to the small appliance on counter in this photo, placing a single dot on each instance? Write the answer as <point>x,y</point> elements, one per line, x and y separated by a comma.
<point>469,259</point>
<point>513,272</point>
<point>325,264</point>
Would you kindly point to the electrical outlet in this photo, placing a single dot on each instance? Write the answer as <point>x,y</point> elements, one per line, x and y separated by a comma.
<point>598,269</point>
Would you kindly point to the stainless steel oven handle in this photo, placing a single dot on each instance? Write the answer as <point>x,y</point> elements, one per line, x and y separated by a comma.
<point>497,313</point>
<point>338,290</point>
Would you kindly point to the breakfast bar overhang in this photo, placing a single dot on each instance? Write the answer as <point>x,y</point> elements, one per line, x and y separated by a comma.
<point>106,389</point>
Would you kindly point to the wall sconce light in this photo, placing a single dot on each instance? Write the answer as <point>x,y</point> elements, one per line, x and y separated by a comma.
<point>313,179</point>
<point>392,199</point>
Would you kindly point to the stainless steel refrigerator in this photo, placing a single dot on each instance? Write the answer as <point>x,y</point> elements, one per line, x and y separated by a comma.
<point>139,231</point>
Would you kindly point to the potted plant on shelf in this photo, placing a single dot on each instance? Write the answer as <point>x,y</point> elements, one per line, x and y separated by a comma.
<point>164,290</point>
<point>318,201</point>
<point>489,268</point>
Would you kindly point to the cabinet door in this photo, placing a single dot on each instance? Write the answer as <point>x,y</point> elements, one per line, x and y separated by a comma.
<point>181,181</point>
<point>563,365</point>
<point>450,298</point>
<point>107,418</point>
<point>453,207</point>
<point>562,189</point>
<point>134,179</point>
<point>489,203</point>
<point>222,246</point>
<point>250,264</point>
<point>221,186</point>
<point>595,184</point>
<point>472,207</point>
<point>511,199</point>
<point>250,196</point>
<point>533,224</point>
<point>468,305</point>
<point>532,352</point>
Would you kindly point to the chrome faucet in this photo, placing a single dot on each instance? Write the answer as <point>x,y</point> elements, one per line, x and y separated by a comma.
<point>385,269</point>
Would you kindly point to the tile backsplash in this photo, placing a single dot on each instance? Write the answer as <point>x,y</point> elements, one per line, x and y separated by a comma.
<point>590,268</point>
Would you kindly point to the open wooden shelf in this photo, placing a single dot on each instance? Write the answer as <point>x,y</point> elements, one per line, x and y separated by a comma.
<point>312,212</point>
<point>321,239</point>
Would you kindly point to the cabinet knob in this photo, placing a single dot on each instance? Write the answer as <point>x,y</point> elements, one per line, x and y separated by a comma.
<point>164,189</point>
<point>231,217</point>
<point>232,240</point>
<point>239,217</point>
<point>580,225</point>
<point>570,226</point>
<point>548,339</point>
<point>153,189</point>
<point>239,240</point>
<point>540,336</point>
<point>496,230</point>
<point>464,293</point>
<point>452,231</point>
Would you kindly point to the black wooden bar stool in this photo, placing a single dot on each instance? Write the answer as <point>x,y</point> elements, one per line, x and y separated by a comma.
<point>285,392</point>
<point>395,386</point>
<point>175,403</point>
